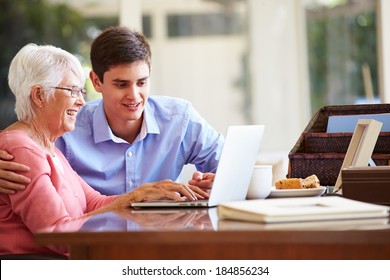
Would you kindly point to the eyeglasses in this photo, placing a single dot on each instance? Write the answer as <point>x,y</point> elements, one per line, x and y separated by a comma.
<point>74,91</point>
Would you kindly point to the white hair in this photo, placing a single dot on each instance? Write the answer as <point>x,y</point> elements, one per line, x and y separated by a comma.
<point>44,66</point>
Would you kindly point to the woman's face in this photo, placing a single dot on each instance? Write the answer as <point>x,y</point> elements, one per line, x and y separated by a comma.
<point>61,110</point>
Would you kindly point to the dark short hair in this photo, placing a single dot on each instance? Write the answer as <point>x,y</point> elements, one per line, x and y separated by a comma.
<point>118,45</point>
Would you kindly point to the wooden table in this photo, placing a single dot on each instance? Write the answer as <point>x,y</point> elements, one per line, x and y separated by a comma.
<point>197,234</point>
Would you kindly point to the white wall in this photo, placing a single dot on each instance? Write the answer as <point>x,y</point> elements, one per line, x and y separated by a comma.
<point>279,70</point>
<point>200,72</point>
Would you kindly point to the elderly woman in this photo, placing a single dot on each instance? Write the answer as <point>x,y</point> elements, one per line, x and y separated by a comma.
<point>48,85</point>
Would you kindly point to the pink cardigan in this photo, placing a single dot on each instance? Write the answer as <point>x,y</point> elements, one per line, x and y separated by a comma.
<point>55,195</point>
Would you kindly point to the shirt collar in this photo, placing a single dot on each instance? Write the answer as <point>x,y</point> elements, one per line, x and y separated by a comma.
<point>103,132</point>
<point>150,121</point>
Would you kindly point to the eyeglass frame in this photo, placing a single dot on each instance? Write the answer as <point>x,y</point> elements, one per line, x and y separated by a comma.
<point>74,91</point>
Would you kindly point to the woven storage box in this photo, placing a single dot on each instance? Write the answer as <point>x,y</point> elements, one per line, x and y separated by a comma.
<point>339,142</point>
<point>321,153</point>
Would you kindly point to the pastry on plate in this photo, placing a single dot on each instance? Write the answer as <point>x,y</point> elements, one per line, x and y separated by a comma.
<point>309,182</point>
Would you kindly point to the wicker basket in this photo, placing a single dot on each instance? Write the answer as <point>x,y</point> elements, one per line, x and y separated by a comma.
<point>339,142</point>
<point>321,153</point>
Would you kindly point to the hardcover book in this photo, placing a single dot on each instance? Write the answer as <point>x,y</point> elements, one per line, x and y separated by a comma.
<point>300,209</point>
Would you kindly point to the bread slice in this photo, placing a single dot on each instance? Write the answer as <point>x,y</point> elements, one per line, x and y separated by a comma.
<point>311,182</point>
<point>298,183</point>
<point>291,183</point>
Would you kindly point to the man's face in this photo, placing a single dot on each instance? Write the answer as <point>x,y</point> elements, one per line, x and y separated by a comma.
<point>125,92</point>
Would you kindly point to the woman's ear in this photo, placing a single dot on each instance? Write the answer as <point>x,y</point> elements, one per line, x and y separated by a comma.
<point>37,96</point>
<point>95,81</point>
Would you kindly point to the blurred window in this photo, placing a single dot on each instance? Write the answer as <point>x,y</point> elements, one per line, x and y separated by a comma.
<point>205,24</point>
<point>147,26</point>
<point>342,48</point>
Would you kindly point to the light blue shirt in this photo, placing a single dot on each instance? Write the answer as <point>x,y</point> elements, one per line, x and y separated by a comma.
<point>173,134</point>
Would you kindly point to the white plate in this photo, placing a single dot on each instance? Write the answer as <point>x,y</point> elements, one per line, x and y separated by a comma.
<point>297,192</point>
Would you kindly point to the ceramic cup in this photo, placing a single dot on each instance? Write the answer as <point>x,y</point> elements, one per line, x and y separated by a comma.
<point>261,182</point>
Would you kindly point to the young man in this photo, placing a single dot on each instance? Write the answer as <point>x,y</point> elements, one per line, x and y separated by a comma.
<point>128,138</point>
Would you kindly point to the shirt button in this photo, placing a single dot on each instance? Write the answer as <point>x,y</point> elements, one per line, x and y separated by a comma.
<point>130,154</point>
<point>130,183</point>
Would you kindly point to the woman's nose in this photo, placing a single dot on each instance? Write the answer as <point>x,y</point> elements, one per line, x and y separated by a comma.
<point>81,100</point>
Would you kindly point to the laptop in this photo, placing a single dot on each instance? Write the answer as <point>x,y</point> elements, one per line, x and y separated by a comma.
<point>234,170</point>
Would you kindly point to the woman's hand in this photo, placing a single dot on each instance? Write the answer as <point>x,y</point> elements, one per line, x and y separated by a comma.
<point>166,189</point>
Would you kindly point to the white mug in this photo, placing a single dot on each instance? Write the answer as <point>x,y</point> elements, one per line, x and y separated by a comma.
<point>261,182</point>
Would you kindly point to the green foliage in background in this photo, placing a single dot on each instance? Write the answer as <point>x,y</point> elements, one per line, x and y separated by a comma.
<point>339,45</point>
<point>37,21</point>
<point>33,21</point>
